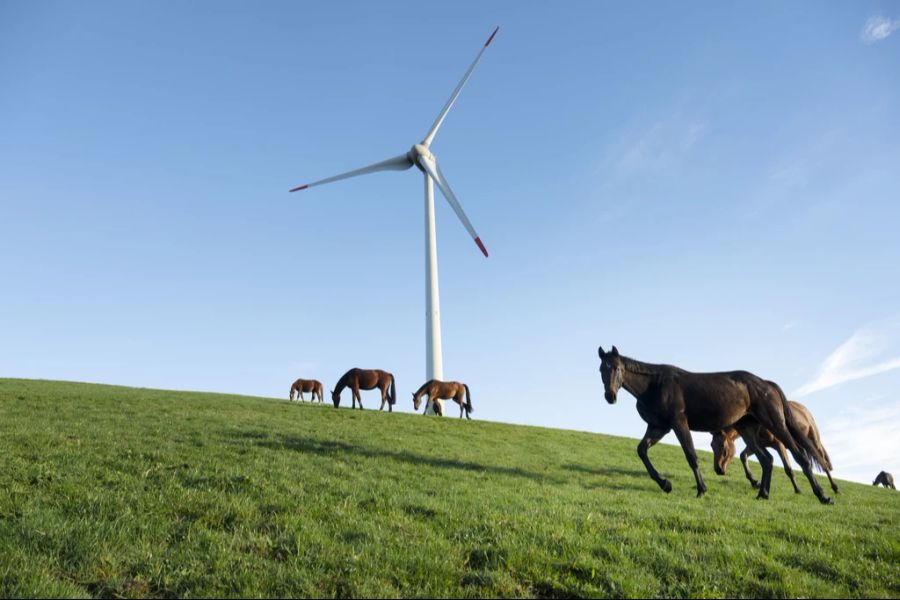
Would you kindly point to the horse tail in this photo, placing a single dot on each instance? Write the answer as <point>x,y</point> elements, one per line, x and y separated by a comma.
<point>393,391</point>
<point>469,408</point>
<point>804,445</point>
<point>817,441</point>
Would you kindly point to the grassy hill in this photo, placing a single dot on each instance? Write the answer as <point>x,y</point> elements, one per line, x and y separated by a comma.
<point>111,491</point>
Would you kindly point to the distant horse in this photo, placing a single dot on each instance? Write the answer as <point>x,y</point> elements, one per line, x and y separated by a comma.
<point>671,398</point>
<point>886,479</point>
<point>723,446</point>
<point>307,385</point>
<point>366,379</point>
<point>444,390</point>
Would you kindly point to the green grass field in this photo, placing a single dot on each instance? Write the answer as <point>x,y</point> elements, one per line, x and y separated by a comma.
<point>110,491</point>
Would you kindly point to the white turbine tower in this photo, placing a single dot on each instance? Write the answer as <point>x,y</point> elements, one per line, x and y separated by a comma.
<point>421,156</point>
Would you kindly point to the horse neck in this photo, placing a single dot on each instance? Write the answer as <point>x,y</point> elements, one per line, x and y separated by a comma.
<point>421,390</point>
<point>638,376</point>
<point>342,382</point>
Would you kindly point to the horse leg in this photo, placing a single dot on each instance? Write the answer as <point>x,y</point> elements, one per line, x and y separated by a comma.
<point>653,435</point>
<point>786,461</point>
<point>683,433</point>
<point>784,436</point>
<point>766,461</point>
<point>774,418</point>
<point>753,482</point>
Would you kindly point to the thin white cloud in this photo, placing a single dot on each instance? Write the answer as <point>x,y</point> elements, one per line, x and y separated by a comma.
<point>863,440</point>
<point>661,147</point>
<point>878,28</point>
<point>848,362</point>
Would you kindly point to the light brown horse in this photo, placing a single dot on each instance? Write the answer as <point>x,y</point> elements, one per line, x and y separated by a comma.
<point>307,385</point>
<point>366,379</point>
<point>670,398</point>
<point>444,390</point>
<point>724,448</point>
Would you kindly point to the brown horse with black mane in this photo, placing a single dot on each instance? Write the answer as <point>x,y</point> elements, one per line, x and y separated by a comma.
<point>670,398</point>
<point>444,390</point>
<point>307,385</point>
<point>724,448</point>
<point>366,379</point>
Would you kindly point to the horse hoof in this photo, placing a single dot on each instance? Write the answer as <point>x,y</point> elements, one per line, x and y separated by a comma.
<point>700,493</point>
<point>754,485</point>
<point>826,500</point>
<point>762,496</point>
<point>666,486</point>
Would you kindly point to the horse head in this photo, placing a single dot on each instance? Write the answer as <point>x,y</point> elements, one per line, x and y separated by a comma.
<point>417,400</point>
<point>336,398</point>
<point>723,451</point>
<point>612,371</point>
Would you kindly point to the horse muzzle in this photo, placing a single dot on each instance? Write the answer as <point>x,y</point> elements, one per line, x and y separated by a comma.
<point>610,397</point>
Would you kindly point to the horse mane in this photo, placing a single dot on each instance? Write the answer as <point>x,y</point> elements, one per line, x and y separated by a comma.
<point>421,389</point>
<point>642,368</point>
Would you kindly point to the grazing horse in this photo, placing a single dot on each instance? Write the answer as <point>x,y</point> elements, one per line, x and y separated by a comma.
<point>886,479</point>
<point>366,379</point>
<point>723,445</point>
<point>307,385</point>
<point>444,390</point>
<point>671,398</point>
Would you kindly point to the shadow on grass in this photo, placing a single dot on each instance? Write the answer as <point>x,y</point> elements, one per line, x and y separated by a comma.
<point>331,447</point>
<point>613,477</point>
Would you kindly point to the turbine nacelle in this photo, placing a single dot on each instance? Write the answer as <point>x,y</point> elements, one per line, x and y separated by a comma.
<point>419,152</point>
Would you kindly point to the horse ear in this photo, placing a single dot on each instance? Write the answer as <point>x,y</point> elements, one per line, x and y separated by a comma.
<point>601,352</point>
<point>615,351</point>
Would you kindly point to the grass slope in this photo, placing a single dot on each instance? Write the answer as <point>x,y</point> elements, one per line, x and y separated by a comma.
<point>113,491</point>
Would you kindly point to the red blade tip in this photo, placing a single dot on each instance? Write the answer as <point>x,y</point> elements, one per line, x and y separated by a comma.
<point>302,187</point>
<point>488,43</point>
<point>480,245</point>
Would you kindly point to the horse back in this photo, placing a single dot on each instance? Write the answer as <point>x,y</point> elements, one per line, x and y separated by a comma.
<point>714,401</point>
<point>368,379</point>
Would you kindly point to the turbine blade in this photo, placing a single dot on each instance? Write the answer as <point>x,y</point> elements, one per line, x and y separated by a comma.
<point>434,171</point>
<point>398,163</point>
<point>437,123</point>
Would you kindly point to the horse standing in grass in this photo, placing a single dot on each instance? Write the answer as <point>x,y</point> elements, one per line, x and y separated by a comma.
<point>366,379</point>
<point>724,448</point>
<point>444,390</point>
<point>307,385</point>
<point>671,398</point>
<point>886,479</point>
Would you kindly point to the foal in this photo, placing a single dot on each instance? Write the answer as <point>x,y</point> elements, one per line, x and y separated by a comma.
<point>307,385</point>
<point>444,390</point>
<point>723,445</point>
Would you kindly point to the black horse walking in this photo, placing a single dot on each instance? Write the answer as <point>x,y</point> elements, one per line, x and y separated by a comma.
<point>670,398</point>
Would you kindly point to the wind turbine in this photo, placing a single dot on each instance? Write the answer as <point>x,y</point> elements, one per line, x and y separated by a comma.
<point>420,156</point>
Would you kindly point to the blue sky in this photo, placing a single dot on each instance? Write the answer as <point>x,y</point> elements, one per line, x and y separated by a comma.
<point>709,186</point>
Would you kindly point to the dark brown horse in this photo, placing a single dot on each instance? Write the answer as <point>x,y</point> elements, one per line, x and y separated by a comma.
<point>444,390</point>
<point>670,398</point>
<point>307,385</point>
<point>886,479</point>
<point>724,448</point>
<point>366,379</point>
